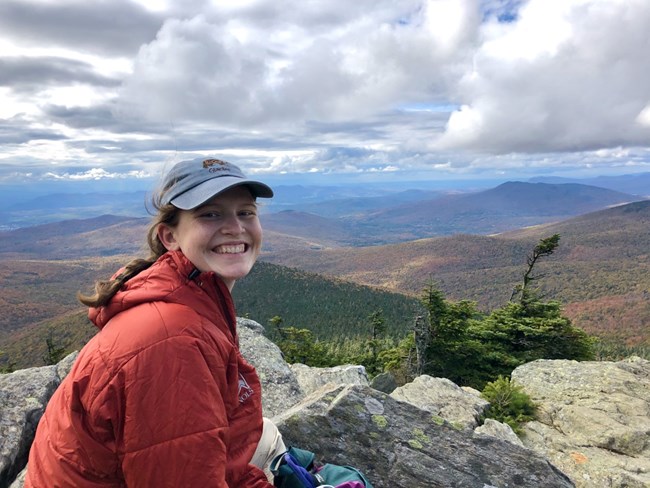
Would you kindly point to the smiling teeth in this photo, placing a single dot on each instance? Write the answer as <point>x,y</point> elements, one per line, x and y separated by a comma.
<point>239,248</point>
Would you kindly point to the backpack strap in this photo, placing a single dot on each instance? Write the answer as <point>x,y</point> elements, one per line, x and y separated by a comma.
<point>305,477</point>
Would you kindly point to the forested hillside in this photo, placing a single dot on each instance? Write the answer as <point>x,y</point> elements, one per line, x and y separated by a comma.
<point>604,256</point>
<point>330,308</point>
<point>39,289</point>
<point>41,304</point>
<point>600,273</point>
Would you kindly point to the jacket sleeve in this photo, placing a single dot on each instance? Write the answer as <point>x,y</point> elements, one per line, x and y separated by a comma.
<point>171,427</point>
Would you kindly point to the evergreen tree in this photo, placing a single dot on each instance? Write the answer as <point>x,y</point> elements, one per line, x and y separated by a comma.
<point>276,330</point>
<point>300,346</point>
<point>8,366</point>
<point>508,403</point>
<point>546,247</point>
<point>54,353</point>
<point>453,340</point>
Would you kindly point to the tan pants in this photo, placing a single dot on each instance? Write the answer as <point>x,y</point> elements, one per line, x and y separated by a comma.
<point>268,448</point>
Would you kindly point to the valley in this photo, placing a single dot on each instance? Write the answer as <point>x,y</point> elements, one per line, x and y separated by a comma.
<point>310,278</point>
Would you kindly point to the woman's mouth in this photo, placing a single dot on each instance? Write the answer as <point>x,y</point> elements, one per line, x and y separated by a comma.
<point>231,249</point>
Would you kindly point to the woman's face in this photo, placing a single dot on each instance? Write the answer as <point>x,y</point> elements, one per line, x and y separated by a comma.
<point>224,235</point>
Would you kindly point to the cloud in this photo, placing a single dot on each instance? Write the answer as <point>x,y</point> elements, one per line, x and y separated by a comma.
<point>18,130</point>
<point>455,87</point>
<point>25,74</point>
<point>527,76</point>
<point>107,27</point>
<point>335,63</point>
<point>96,174</point>
<point>566,76</point>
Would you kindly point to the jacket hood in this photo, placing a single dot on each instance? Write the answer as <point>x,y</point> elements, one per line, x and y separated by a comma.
<point>172,278</point>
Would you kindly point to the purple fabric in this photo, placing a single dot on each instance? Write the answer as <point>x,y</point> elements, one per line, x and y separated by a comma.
<point>302,474</point>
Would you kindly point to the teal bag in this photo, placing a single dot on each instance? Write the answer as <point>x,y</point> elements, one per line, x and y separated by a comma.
<point>296,468</point>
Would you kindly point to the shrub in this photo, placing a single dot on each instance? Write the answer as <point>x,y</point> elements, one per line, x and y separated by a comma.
<point>508,403</point>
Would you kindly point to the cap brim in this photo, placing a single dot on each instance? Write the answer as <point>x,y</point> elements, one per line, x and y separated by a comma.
<point>200,194</point>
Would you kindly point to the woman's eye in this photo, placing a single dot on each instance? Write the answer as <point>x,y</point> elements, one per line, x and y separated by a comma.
<point>210,215</point>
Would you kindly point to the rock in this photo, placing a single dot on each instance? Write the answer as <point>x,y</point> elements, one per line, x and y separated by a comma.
<point>473,391</point>
<point>65,365</point>
<point>444,399</point>
<point>23,396</point>
<point>499,430</point>
<point>593,422</point>
<point>311,379</point>
<point>593,419</point>
<point>280,388</point>
<point>250,325</point>
<point>384,382</point>
<point>398,445</point>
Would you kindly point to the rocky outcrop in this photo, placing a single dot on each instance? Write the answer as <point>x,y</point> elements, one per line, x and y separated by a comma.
<point>593,420</point>
<point>499,430</point>
<point>281,389</point>
<point>422,435</point>
<point>397,444</point>
<point>23,396</point>
<point>311,379</point>
<point>287,384</point>
<point>445,399</point>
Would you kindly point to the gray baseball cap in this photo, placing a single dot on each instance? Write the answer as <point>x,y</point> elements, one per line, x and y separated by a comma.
<point>194,182</point>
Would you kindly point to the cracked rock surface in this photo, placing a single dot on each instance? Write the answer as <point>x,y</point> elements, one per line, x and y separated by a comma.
<point>593,419</point>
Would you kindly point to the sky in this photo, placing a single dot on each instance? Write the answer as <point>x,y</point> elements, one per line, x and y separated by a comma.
<point>119,90</point>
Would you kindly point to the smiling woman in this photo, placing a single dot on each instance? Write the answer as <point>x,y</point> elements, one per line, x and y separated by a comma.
<point>223,235</point>
<point>161,396</point>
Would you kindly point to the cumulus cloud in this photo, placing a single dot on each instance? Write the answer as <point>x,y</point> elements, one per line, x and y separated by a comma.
<point>526,76</point>
<point>565,76</point>
<point>371,86</point>
<point>108,27</point>
<point>337,63</point>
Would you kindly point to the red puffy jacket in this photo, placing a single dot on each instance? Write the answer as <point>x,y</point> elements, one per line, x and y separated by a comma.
<point>160,397</point>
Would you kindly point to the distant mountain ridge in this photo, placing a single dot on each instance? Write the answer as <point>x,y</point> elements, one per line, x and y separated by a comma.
<point>98,236</point>
<point>509,206</point>
<point>635,184</point>
<point>357,208</point>
<point>621,232</point>
<point>601,270</point>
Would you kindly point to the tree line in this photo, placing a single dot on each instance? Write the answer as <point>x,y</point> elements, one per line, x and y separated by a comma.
<point>452,340</point>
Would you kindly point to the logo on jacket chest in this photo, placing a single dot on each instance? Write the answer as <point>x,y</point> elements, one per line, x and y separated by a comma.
<point>245,391</point>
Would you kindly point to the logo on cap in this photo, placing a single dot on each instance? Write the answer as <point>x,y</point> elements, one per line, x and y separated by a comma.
<point>211,162</point>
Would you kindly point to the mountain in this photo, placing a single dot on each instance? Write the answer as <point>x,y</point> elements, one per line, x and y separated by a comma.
<point>320,231</point>
<point>603,256</point>
<point>509,206</point>
<point>72,238</point>
<point>39,301</point>
<point>331,308</point>
<point>635,184</point>
<point>67,206</point>
<point>36,289</point>
<point>601,271</point>
<point>619,233</point>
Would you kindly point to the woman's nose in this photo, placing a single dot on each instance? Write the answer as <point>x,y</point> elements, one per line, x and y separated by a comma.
<point>232,225</point>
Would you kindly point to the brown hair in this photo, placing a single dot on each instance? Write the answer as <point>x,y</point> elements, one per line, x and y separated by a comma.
<point>106,289</point>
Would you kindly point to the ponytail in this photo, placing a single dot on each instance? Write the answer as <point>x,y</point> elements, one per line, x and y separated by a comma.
<point>106,289</point>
